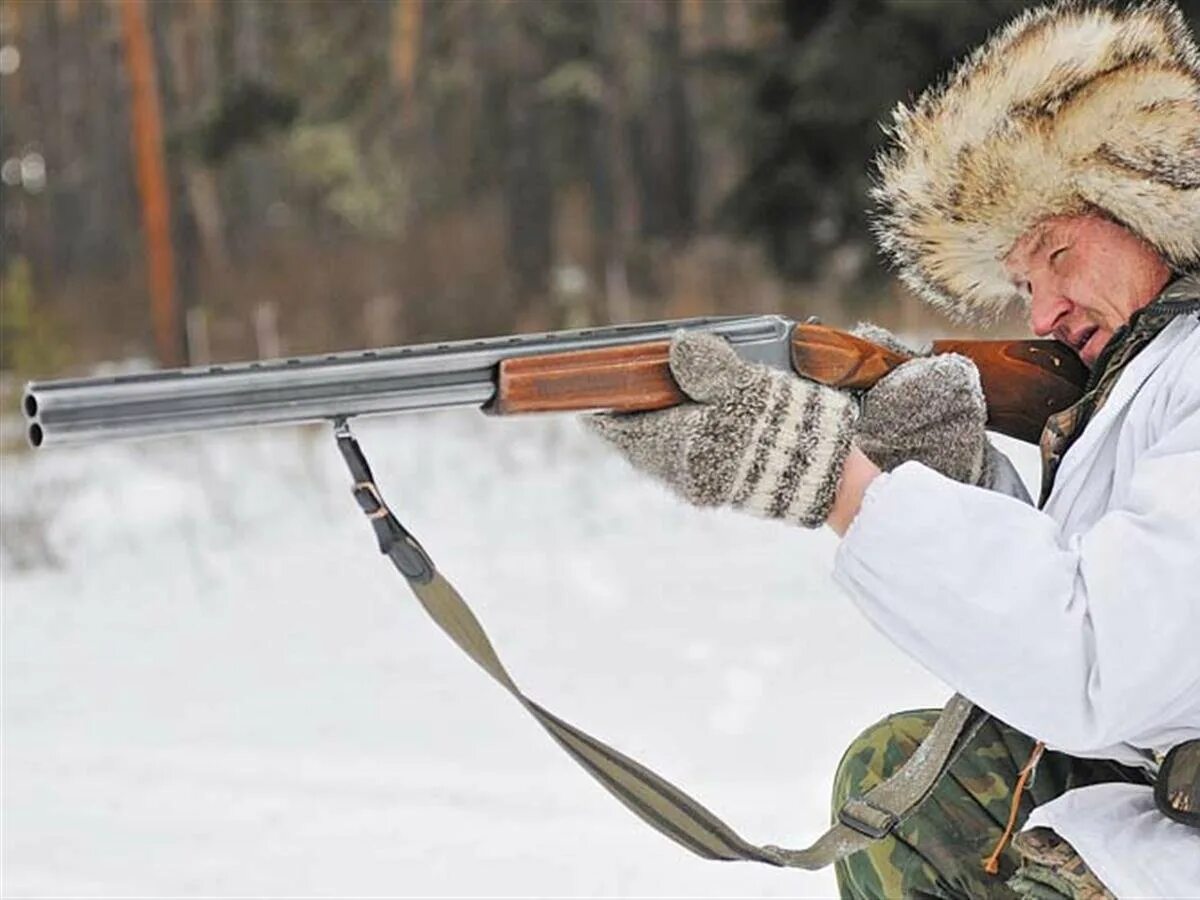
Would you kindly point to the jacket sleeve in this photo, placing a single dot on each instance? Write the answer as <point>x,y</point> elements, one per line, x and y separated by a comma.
<point>1085,640</point>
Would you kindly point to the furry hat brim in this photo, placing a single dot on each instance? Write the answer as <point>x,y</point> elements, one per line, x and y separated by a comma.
<point>1070,108</point>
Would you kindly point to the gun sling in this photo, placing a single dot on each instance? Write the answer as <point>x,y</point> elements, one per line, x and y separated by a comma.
<point>665,807</point>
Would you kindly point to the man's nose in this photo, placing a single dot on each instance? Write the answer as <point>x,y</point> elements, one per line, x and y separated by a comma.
<point>1046,311</point>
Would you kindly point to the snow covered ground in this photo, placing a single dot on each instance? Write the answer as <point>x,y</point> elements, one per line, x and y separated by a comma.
<point>214,685</point>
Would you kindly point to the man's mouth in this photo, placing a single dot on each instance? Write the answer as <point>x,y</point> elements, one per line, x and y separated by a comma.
<point>1089,345</point>
<point>1080,339</point>
<point>1081,342</point>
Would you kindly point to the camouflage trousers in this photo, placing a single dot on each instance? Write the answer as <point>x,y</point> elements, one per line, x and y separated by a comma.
<point>940,850</point>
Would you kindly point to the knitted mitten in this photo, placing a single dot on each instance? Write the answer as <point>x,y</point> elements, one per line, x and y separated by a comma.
<point>932,410</point>
<point>755,438</point>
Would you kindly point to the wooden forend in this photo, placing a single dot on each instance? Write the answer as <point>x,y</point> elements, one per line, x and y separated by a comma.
<point>631,378</point>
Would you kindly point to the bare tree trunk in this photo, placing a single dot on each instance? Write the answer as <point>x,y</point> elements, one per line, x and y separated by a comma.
<point>152,181</point>
<point>198,345</point>
<point>266,330</point>
<point>616,191</point>
<point>692,14</point>
<point>527,189</point>
<point>737,27</point>
<point>110,112</point>
<point>247,39</point>
<point>205,200</point>
<point>254,175</point>
<point>65,153</point>
<point>407,17</point>
<point>193,63</point>
<point>669,128</point>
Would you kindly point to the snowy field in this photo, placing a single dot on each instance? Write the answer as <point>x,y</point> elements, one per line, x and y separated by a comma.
<point>213,685</point>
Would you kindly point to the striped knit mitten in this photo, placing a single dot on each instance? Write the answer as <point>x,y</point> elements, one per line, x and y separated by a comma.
<point>755,438</point>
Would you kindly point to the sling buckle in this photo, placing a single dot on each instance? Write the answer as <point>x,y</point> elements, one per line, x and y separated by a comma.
<point>370,500</point>
<point>860,815</point>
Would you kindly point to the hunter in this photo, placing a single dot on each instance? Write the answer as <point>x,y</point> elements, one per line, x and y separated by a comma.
<point>1058,167</point>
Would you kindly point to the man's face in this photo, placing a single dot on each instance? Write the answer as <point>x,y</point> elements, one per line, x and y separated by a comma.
<point>1084,276</point>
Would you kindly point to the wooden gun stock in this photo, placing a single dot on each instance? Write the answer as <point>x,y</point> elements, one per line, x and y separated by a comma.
<point>1024,381</point>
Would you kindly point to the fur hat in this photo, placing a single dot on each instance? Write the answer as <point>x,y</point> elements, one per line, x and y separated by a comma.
<point>1068,109</point>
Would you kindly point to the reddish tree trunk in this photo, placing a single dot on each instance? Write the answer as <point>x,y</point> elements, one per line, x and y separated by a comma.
<point>151,172</point>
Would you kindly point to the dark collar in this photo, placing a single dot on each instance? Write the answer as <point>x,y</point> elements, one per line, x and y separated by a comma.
<point>1179,297</point>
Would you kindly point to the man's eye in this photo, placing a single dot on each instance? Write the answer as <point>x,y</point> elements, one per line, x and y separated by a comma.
<point>1057,254</point>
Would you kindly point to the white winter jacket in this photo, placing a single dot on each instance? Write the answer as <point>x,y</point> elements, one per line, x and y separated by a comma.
<point>1077,624</point>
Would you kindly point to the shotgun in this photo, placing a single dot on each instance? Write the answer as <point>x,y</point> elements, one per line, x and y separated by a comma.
<point>620,368</point>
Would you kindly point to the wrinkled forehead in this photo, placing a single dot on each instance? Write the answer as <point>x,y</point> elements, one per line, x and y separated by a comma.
<point>1036,239</point>
<point>1028,246</point>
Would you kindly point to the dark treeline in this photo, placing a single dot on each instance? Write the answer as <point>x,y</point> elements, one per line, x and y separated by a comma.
<point>342,174</point>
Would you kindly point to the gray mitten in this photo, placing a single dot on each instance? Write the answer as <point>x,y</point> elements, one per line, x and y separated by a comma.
<point>755,438</point>
<point>931,409</point>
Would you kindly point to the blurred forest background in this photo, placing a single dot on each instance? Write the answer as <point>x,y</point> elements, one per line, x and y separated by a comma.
<point>205,180</point>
